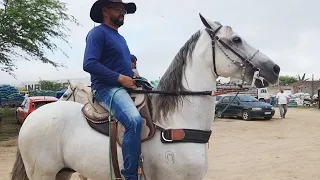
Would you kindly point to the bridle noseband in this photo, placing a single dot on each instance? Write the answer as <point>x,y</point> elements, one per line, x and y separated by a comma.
<point>246,62</point>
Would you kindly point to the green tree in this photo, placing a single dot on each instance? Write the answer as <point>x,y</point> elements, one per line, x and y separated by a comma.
<point>50,85</point>
<point>287,80</point>
<point>28,28</point>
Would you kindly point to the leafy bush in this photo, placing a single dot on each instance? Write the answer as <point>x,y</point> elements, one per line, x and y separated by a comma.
<point>7,113</point>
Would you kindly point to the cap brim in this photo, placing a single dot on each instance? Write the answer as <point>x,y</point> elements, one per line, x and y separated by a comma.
<point>96,10</point>
<point>130,7</point>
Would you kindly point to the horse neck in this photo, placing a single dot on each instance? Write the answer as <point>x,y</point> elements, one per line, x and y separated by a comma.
<point>195,112</point>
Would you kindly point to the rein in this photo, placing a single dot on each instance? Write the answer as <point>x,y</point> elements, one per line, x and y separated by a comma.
<point>147,89</point>
<point>190,93</point>
<point>72,93</point>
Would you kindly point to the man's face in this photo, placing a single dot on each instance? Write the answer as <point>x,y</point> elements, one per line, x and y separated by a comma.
<point>115,13</point>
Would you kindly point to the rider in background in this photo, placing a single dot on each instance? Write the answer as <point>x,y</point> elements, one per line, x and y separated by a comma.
<point>107,59</point>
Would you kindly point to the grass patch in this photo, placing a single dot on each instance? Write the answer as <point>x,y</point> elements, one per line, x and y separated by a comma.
<point>9,128</point>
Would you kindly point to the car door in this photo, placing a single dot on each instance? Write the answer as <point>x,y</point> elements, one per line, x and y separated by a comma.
<point>235,107</point>
<point>223,104</point>
<point>20,110</point>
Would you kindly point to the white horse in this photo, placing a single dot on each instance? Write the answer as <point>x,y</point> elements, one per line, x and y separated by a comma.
<point>57,138</point>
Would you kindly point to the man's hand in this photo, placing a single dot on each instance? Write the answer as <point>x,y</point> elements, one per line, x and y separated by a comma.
<point>126,81</point>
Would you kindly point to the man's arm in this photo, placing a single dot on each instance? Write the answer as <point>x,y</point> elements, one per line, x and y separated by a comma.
<point>288,98</point>
<point>94,46</point>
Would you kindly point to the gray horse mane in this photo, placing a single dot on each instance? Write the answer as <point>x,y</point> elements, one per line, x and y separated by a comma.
<point>172,81</point>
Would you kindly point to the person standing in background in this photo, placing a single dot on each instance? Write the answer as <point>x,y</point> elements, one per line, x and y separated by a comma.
<point>282,100</point>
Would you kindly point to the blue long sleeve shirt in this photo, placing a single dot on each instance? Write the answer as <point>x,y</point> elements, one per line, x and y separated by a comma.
<point>106,57</point>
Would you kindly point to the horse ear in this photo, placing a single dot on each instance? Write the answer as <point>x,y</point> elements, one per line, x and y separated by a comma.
<point>204,21</point>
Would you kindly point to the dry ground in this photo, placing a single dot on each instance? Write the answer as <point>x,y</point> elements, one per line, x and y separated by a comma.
<point>253,150</point>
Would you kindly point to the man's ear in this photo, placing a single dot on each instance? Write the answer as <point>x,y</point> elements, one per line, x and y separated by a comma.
<point>104,11</point>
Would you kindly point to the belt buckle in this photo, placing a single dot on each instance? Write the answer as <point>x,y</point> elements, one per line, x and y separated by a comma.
<point>165,139</point>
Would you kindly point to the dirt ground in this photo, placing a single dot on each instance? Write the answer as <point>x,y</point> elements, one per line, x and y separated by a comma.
<point>279,149</point>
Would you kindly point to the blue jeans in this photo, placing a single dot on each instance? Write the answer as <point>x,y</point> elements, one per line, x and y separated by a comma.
<point>124,109</point>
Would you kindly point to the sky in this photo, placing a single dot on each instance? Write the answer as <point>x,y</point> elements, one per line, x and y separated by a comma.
<point>287,31</point>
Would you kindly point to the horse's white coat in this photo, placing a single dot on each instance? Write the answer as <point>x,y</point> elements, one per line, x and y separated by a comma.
<point>57,135</point>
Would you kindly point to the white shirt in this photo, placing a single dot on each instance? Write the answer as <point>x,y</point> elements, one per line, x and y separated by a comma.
<point>282,98</point>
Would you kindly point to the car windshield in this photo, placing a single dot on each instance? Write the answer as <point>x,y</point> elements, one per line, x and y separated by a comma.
<point>36,105</point>
<point>248,99</point>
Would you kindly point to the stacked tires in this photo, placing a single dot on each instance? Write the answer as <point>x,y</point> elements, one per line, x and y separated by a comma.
<point>10,96</point>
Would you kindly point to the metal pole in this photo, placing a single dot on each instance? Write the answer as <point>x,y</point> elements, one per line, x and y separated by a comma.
<point>312,86</point>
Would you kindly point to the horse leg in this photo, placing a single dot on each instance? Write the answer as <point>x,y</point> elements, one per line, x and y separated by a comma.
<point>64,176</point>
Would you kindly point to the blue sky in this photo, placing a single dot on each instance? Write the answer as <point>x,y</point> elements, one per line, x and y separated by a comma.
<point>287,31</point>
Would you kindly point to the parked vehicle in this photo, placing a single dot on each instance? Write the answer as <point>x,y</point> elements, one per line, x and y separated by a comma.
<point>262,94</point>
<point>217,99</point>
<point>30,104</point>
<point>60,93</point>
<point>244,106</point>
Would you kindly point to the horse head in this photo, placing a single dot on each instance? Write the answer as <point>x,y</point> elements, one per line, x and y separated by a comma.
<point>213,51</point>
<point>76,92</point>
<point>231,56</point>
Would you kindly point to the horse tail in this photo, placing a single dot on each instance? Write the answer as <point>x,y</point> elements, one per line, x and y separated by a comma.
<point>18,170</point>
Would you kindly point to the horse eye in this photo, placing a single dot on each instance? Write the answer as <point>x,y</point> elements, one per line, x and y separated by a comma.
<point>236,40</point>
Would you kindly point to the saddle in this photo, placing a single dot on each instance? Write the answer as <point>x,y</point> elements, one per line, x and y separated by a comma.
<point>98,117</point>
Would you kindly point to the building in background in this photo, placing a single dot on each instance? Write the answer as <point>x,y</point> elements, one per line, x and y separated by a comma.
<point>34,85</point>
<point>306,87</point>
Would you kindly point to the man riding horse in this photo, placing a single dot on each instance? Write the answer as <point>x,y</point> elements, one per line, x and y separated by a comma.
<point>107,59</point>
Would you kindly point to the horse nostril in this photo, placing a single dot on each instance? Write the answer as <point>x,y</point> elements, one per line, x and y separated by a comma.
<point>276,69</point>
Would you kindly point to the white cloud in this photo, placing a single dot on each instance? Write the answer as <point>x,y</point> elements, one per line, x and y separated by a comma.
<point>281,29</point>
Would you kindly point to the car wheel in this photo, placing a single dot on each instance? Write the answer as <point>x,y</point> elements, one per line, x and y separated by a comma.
<point>246,115</point>
<point>218,112</point>
<point>262,100</point>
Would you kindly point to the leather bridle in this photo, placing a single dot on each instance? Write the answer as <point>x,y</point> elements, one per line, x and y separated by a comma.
<point>246,62</point>
<point>71,94</point>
